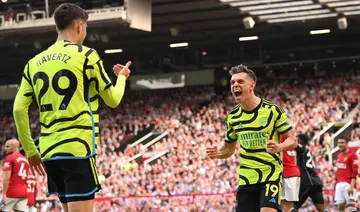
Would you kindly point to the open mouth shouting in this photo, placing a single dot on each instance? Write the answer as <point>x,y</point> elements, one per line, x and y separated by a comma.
<point>237,92</point>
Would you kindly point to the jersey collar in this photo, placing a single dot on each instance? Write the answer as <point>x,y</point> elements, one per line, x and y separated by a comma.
<point>255,109</point>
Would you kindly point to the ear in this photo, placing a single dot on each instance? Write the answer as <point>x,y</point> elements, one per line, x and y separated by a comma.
<point>253,84</point>
<point>78,27</point>
<point>57,29</point>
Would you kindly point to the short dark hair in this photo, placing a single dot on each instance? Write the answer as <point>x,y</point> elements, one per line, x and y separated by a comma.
<point>243,69</point>
<point>66,13</point>
<point>346,139</point>
<point>303,139</point>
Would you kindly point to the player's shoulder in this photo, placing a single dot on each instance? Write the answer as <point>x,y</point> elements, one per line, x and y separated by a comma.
<point>69,48</point>
<point>234,110</point>
<point>37,57</point>
<point>301,149</point>
<point>272,105</point>
<point>79,50</point>
<point>90,53</point>
<point>9,158</point>
<point>18,157</point>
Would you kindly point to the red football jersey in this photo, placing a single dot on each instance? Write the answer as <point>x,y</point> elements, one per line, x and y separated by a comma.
<point>289,163</point>
<point>19,167</point>
<point>31,189</point>
<point>346,166</point>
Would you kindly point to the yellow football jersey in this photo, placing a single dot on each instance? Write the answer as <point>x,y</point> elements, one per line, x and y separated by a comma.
<point>66,81</point>
<point>252,129</point>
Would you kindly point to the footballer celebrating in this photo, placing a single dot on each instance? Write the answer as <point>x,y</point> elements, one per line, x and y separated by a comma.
<point>256,125</point>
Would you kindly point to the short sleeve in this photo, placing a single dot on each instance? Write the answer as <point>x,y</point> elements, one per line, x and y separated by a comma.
<point>7,164</point>
<point>98,72</point>
<point>230,136</point>
<point>282,123</point>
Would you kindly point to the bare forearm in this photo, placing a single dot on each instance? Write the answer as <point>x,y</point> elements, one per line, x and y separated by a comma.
<point>353,181</point>
<point>289,144</point>
<point>5,185</point>
<point>225,152</point>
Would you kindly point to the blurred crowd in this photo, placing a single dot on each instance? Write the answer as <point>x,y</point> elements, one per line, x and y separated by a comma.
<point>194,118</point>
<point>355,133</point>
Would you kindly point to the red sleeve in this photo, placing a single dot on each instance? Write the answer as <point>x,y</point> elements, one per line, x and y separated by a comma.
<point>354,166</point>
<point>8,164</point>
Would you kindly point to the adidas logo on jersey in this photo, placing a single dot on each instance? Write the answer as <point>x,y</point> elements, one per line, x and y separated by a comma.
<point>272,200</point>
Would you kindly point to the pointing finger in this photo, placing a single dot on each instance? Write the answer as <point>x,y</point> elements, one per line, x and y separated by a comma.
<point>128,64</point>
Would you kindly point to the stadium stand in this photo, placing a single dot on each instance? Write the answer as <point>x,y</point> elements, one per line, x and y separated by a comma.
<point>355,134</point>
<point>151,153</point>
<point>194,118</point>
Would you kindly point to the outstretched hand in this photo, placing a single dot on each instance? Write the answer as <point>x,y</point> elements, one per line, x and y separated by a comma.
<point>212,152</point>
<point>122,70</point>
<point>36,165</point>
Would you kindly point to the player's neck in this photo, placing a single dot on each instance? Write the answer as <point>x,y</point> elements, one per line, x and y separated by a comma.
<point>15,151</point>
<point>345,150</point>
<point>251,103</point>
<point>67,36</point>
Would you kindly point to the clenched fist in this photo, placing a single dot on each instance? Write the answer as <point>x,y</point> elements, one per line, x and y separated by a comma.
<point>273,147</point>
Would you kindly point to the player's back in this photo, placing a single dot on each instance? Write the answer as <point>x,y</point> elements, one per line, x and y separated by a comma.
<point>61,78</point>
<point>19,167</point>
<point>307,168</point>
<point>31,189</point>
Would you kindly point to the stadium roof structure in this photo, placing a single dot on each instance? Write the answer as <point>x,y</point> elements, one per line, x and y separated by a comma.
<point>282,27</point>
<point>278,11</point>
